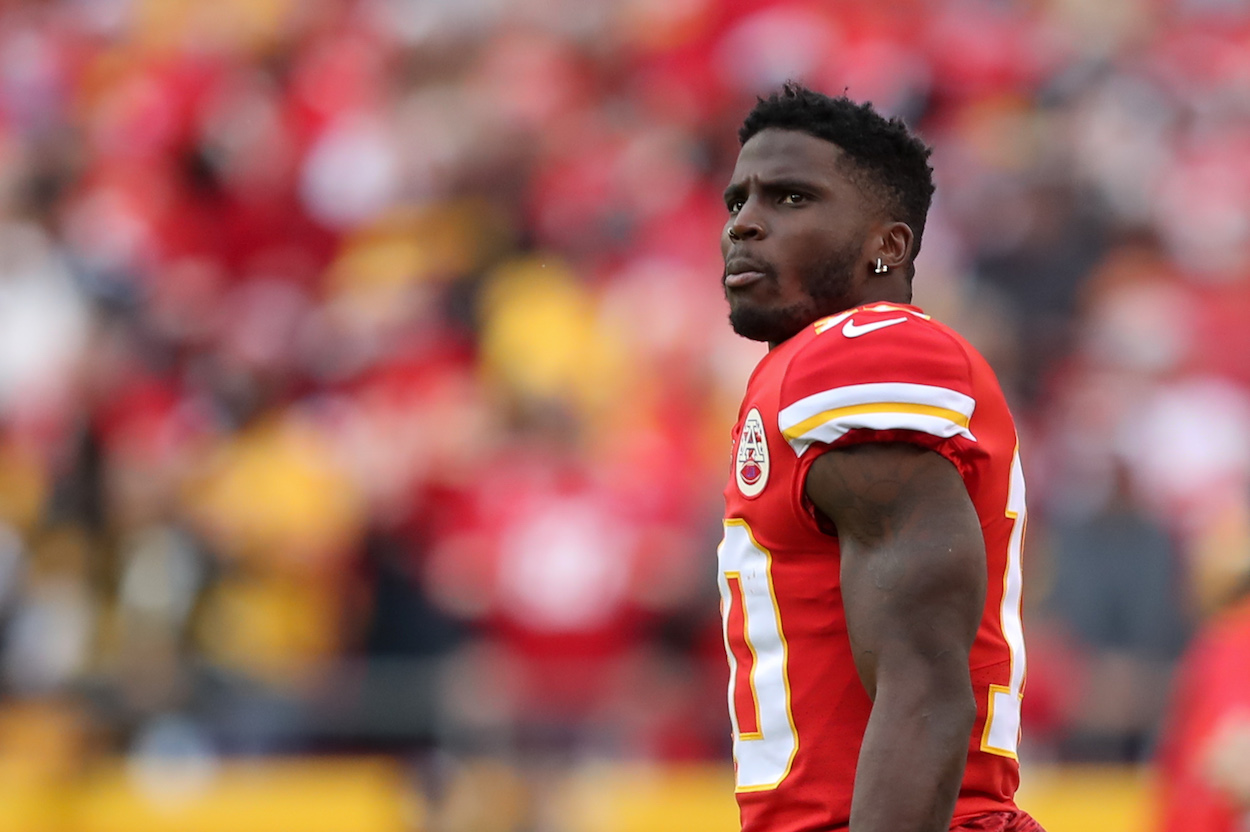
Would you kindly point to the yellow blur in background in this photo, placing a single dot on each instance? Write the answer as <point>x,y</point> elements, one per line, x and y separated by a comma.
<point>373,795</point>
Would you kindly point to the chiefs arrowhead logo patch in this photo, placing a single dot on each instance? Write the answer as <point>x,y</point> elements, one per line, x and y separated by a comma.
<point>751,462</point>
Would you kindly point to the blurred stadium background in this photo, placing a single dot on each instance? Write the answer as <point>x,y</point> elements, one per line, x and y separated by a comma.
<point>365,389</point>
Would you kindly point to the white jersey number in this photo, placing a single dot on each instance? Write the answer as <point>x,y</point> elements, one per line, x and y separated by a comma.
<point>1002,725</point>
<point>764,738</point>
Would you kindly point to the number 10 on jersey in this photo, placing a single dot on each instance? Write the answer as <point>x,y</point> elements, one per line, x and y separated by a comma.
<point>765,741</point>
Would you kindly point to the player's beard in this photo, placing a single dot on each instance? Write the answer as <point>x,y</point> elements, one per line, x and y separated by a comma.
<point>828,292</point>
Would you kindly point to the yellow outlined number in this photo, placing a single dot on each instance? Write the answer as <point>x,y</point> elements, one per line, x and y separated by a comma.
<point>1002,722</point>
<point>765,740</point>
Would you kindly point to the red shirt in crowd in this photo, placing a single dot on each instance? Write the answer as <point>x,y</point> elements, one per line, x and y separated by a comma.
<point>1212,700</point>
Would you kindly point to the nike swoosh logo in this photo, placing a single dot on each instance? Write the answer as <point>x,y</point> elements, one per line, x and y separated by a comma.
<point>852,331</point>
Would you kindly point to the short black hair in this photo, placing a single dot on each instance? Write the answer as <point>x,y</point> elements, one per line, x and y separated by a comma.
<point>894,159</point>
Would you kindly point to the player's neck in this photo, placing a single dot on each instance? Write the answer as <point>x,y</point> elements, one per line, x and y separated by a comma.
<point>895,291</point>
<point>885,290</point>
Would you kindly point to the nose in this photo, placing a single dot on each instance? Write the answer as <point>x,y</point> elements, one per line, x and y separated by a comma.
<point>746,224</point>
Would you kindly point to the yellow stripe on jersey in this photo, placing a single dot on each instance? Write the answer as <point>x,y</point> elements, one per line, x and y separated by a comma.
<point>831,321</point>
<point>889,307</point>
<point>884,407</point>
<point>828,415</point>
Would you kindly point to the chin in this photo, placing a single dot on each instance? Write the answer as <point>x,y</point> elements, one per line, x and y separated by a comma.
<point>771,325</point>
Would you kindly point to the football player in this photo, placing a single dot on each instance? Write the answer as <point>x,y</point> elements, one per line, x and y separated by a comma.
<point>870,570</point>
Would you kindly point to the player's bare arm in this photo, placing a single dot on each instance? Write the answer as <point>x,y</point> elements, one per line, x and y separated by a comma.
<point>913,584</point>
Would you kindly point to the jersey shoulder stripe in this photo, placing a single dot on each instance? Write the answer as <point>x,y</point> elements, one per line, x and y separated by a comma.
<point>829,415</point>
<point>896,369</point>
<point>833,320</point>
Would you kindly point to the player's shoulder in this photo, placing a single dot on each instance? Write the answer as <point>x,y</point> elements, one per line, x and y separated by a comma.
<point>880,367</point>
<point>879,325</point>
<point>875,340</point>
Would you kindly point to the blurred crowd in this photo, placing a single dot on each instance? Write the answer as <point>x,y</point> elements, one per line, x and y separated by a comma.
<point>365,382</point>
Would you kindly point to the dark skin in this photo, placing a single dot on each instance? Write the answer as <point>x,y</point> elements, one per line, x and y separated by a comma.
<point>804,234</point>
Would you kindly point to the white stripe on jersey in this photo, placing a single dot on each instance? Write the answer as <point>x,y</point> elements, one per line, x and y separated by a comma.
<point>829,415</point>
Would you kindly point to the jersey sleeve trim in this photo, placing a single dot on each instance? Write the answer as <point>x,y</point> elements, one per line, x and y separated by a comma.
<point>827,416</point>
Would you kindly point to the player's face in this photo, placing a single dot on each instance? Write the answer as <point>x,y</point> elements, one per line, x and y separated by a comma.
<point>796,242</point>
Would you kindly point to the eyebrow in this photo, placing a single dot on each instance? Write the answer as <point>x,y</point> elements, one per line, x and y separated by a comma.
<point>784,183</point>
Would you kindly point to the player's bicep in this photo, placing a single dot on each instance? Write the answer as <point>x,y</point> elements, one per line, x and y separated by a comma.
<point>913,557</point>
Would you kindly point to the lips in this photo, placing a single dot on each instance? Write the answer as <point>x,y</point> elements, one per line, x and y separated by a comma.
<point>737,281</point>
<point>741,271</point>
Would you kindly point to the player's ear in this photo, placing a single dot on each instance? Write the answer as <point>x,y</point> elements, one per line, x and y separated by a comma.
<point>896,244</point>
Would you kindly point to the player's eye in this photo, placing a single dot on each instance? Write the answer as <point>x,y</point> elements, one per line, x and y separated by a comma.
<point>733,205</point>
<point>793,198</point>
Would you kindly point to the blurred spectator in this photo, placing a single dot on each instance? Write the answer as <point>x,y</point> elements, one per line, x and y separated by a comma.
<point>1205,758</point>
<point>1117,590</point>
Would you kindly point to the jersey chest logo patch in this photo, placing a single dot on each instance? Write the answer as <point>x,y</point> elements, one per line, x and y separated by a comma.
<point>751,463</point>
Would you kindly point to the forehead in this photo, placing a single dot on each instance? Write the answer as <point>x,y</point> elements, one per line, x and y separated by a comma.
<point>789,154</point>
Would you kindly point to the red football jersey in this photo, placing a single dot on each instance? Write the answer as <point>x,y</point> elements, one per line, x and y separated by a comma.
<point>877,373</point>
